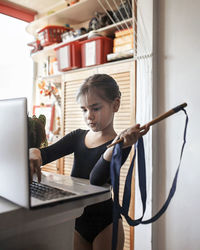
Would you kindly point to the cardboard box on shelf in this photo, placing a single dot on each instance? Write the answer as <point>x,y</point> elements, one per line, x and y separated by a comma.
<point>124,32</point>
<point>123,40</point>
<point>123,47</point>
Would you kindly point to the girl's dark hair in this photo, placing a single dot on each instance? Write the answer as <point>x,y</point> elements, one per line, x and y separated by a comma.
<point>104,85</point>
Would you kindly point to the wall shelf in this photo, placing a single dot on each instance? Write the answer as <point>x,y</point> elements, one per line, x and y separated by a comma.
<point>57,79</point>
<point>105,31</point>
<point>54,78</point>
<point>42,55</point>
<point>109,30</point>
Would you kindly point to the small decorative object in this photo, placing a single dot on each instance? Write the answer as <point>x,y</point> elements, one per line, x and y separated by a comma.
<point>103,18</point>
<point>73,2</point>
<point>72,34</point>
<point>80,32</point>
<point>49,111</point>
<point>36,132</point>
<point>100,20</point>
<point>47,90</point>
<point>94,24</point>
<point>67,36</point>
<point>36,46</point>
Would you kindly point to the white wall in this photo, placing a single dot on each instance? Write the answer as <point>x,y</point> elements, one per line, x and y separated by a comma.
<point>178,40</point>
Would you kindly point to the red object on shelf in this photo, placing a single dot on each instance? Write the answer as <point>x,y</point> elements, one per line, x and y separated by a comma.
<point>94,51</point>
<point>69,56</point>
<point>36,46</point>
<point>51,34</point>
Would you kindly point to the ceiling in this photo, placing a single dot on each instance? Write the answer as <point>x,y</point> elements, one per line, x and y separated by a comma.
<point>27,9</point>
<point>37,5</point>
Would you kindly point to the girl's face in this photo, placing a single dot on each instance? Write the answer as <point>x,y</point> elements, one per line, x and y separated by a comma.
<point>98,113</point>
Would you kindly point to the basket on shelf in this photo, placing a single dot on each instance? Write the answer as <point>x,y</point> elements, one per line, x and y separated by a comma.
<point>51,34</point>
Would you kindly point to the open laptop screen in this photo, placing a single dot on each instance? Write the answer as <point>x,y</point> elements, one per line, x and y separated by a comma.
<point>14,171</point>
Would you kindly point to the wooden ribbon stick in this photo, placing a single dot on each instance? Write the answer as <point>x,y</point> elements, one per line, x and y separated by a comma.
<point>156,120</point>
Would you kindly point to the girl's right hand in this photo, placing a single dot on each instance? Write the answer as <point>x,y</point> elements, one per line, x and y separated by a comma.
<point>35,161</point>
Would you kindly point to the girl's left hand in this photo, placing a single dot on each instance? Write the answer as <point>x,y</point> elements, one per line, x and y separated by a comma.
<point>130,137</point>
<point>132,134</point>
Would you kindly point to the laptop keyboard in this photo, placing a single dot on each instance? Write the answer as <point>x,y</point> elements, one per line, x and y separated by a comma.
<point>44,192</point>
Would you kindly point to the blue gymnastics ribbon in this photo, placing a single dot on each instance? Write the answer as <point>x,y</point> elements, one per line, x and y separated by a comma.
<point>115,167</point>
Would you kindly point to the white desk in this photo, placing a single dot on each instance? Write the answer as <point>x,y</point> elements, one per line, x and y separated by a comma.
<point>49,228</point>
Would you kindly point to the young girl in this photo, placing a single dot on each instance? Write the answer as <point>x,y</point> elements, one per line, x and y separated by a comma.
<point>99,99</point>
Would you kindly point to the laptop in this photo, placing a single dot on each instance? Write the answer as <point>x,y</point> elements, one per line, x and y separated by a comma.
<point>14,165</point>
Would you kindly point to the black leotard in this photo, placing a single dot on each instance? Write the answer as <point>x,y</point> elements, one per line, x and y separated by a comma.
<point>89,164</point>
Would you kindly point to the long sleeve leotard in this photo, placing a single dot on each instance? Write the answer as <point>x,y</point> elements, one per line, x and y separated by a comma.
<point>90,164</point>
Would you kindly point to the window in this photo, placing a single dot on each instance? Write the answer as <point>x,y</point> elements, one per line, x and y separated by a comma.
<point>16,65</point>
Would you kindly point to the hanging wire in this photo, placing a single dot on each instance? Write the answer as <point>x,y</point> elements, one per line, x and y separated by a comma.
<point>138,36</point>
<point>123,19</point>
<point>133,24</point>
<point>116,15</point>
<point>99,1</point>
<point>117,24</point>
<point>128,16</point>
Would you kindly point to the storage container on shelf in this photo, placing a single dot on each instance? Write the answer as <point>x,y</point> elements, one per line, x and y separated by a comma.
<point>51,34</point>
<point>123,40</point>
<point>68,56</point>
<point>94,51</point>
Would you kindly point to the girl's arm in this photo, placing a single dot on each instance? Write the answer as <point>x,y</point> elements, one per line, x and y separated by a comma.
<point>101,171</point>
<point>100,174</point>
<point>40,157</point>
<point>35,162</point>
